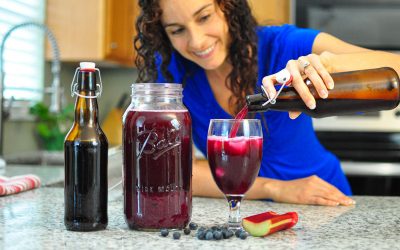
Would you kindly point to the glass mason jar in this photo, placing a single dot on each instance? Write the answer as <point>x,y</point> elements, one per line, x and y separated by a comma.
<point>157,152</point>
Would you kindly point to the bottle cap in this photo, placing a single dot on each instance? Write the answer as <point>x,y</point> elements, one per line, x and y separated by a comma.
<point>87,65</point>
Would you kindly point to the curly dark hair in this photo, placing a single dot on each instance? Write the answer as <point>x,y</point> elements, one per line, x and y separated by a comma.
<point>242,51</point>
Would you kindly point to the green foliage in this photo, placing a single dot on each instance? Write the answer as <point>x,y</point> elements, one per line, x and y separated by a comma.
<point>52,127</point>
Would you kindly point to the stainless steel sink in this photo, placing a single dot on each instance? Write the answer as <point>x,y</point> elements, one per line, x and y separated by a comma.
<point>54,158</point>
<point>38,158</point>
<point>114,174</point>
<point>50,165</point>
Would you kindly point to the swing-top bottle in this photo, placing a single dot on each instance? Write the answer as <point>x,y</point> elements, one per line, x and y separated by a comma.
<point>354,92</point>
<point>86,156</point>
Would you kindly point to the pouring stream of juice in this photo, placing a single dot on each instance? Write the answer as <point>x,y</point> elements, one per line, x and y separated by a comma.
<point>242,114</point>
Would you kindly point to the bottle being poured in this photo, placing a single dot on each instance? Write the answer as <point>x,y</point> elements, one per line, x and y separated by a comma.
<point>354,92</point>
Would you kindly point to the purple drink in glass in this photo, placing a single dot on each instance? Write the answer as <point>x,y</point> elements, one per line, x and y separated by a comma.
<point>234,162</point>
<point>234,151</point>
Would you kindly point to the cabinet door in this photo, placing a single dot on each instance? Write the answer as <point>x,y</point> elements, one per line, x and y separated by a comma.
<point>269,12</point>
<point>93,30</point>
<point>78,28</point>
<point>120,30</point>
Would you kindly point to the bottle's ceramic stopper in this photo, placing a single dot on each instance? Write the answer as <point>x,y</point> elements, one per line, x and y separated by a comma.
<point>87,65</point>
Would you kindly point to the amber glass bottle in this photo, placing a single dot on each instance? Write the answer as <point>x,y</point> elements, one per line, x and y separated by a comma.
<point>354,91</point>
<point>86,156</point>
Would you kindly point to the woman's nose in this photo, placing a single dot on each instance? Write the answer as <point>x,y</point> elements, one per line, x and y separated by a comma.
<point>196,39</point>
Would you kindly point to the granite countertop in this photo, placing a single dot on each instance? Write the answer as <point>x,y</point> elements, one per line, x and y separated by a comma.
<point>34,219</point>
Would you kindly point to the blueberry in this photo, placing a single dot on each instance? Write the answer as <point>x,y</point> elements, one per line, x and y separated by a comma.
<point>243,235</point>
<point>209,235</point>
<point>164,232</point>
<point>214,228</point>
<point>186,231</point>
<point>229,233</point>
<point>237,233</point>
<point>217,235</point>
<point>224,233</point>
<point>201,234</point>
<point>193,226</point>
<point>176,235</point>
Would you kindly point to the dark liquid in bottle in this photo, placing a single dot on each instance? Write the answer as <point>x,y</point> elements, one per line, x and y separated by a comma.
<point>85,206</point>
<point>157,169</point>
<point>354,92</point>
<point>328,107</point>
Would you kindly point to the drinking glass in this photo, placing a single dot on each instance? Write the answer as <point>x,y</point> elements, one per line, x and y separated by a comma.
<point>234,151</point>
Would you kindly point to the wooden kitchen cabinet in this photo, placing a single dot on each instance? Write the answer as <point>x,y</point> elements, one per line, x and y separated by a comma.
<point>271,11</point>
<point>103,30</point>
<point>93,30</point>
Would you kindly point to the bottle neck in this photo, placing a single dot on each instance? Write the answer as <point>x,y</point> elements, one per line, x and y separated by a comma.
<point>87,80</point>
<point>86,108</point>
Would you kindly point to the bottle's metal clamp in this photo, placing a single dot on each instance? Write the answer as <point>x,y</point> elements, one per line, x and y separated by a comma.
<point>74,86</point>
<point>284,78</point>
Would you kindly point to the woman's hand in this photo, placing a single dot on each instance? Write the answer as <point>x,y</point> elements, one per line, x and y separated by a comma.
<point>310,190</point>
<point>305,67</point>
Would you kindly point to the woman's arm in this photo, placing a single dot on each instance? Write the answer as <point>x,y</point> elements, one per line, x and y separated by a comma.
<point>203,182</point>
<point>338,56</point>
<point>310,190</point>
<point>330,55</point>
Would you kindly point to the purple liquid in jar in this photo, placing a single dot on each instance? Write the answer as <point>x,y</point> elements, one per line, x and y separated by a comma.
<point>157,170</point>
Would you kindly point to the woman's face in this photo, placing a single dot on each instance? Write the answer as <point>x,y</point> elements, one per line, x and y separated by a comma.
<point>198,30</point>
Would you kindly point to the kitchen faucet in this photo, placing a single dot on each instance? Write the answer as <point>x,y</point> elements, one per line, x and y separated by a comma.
<point>55,90</point>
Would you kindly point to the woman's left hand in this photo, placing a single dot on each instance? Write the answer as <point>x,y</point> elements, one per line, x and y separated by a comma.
<point>309,190</point>
<point>305,67</point>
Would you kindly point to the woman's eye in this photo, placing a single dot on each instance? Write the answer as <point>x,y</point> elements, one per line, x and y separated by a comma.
<point>177,31</point>
<point>204,18</point>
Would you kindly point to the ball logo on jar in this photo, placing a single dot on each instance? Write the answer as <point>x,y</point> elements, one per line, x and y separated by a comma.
<point>155,141</point>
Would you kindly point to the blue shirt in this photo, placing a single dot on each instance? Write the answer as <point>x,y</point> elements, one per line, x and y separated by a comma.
<point>291,149</point>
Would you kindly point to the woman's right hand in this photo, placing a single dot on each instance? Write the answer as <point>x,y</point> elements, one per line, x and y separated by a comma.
<point>309,67</point>
<point>309,190</point>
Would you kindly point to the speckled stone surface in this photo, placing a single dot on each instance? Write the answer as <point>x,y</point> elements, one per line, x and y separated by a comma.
<point>34,220</point>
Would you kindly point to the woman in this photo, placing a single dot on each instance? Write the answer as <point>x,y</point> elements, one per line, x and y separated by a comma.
<point>215,49</point>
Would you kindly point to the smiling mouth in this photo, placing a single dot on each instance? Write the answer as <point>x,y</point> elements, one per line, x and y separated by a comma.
<point>206,52</point>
